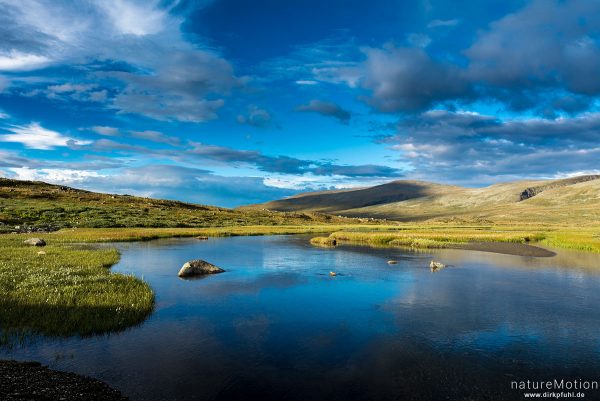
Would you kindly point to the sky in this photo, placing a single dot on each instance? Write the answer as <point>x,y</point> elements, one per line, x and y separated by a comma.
<point>232,102</point>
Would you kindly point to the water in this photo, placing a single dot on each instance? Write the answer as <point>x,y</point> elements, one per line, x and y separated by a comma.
<point>277,326</point>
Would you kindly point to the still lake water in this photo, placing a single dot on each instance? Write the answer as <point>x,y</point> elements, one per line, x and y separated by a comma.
<point>277,326</point>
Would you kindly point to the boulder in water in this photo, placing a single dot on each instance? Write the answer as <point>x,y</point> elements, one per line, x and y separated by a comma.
<point>197,268</point>
<point>435,266</point>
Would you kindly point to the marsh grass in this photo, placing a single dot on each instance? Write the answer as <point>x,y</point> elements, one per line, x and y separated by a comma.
<point>443,236</point>
<point>67,291</point>
<point>325,242</point>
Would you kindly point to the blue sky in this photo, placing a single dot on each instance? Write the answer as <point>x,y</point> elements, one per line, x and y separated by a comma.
<point>231,102</point>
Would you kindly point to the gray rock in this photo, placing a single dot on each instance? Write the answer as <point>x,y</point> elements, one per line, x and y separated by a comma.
<point>392,262</point>
<point>435,266</point>
<point>35,242</point>
<point>198,267</point>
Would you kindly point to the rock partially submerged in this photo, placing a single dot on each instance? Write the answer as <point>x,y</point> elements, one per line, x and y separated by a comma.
<point>332,274</point>
<point>35,242</point>
<point>436,266</point>
<point>202,237</point>
<point>197,268</point>
<point>392,262</point>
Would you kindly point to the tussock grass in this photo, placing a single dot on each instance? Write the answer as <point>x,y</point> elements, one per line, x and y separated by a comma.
<point>145,234</point>
<point>582,239</point>
<point>436,237</point>
<point>326,242</point>
<point>445,236</point>
<point>67,291</point>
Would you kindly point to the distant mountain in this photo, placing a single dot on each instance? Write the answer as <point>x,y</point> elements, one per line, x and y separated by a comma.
<point>567,200</point>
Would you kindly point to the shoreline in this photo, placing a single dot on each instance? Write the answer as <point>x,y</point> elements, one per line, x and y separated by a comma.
<point>31,380</point>
<point>506,248</point>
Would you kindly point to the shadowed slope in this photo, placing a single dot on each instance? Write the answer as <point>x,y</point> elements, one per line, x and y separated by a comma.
<point>336,201</point>
<point>564,201</point>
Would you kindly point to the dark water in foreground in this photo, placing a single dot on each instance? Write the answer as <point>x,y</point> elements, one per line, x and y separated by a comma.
<point>277,326</point>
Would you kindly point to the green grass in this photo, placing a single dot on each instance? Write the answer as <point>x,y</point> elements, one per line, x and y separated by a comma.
<point>444,236</point>
<point>50,207</point>
<point>325,242</point>
<point>581,239</point>
<point>67,291</point>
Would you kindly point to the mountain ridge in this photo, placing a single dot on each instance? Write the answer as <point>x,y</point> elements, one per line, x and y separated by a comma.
<point>559,201</point>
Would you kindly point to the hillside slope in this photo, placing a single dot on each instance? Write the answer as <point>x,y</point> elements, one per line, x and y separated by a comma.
<point>26,205</point>
<point>572,200</point>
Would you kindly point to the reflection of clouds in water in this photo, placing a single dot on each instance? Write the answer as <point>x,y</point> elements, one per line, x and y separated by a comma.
<point>276,326</point>
<point>483,302</point>
<point>568,262</point>
<point>246,285</point>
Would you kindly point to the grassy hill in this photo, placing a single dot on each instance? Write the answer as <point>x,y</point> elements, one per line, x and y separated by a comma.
<point>567,201</point>
<point>26,205</point>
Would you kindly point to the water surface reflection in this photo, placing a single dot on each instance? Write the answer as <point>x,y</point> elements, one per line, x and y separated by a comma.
<point>277,326</point>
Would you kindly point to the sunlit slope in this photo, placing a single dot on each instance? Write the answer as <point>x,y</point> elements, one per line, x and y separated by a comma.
<point>42,205</point>
<point>567,201</point>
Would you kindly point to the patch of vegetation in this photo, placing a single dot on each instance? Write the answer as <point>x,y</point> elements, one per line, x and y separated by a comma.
<point>582,239</point>
<point>443,236</point>
<point>326,242</point>
<point>63,290</point>
<point>438,237</point>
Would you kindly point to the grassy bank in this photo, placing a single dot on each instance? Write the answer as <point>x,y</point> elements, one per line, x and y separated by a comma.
<point>432,236</point>
<point>63,290</point>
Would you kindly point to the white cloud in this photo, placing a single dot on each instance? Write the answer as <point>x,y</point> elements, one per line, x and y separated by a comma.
<point>134,18</point>
<point>68,87</point>
<point>34,136</point>
<point>306,82</point>
<point>57,176</point>
<point>3,115</point>
<point>171,78</point>
<point>104,130</point>
<point>17,61</point>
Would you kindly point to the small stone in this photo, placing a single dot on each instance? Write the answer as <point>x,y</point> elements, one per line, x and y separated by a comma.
<point>392,262</point>
<point>332,274</point>
<point>435,266</point>
<point>35,242</point>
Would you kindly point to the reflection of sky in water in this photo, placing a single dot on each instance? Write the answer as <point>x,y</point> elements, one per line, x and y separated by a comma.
<point>275,325</point>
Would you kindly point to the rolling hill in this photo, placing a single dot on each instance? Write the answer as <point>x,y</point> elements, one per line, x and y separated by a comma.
<point>564,201</point>
<point>28,205</point>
